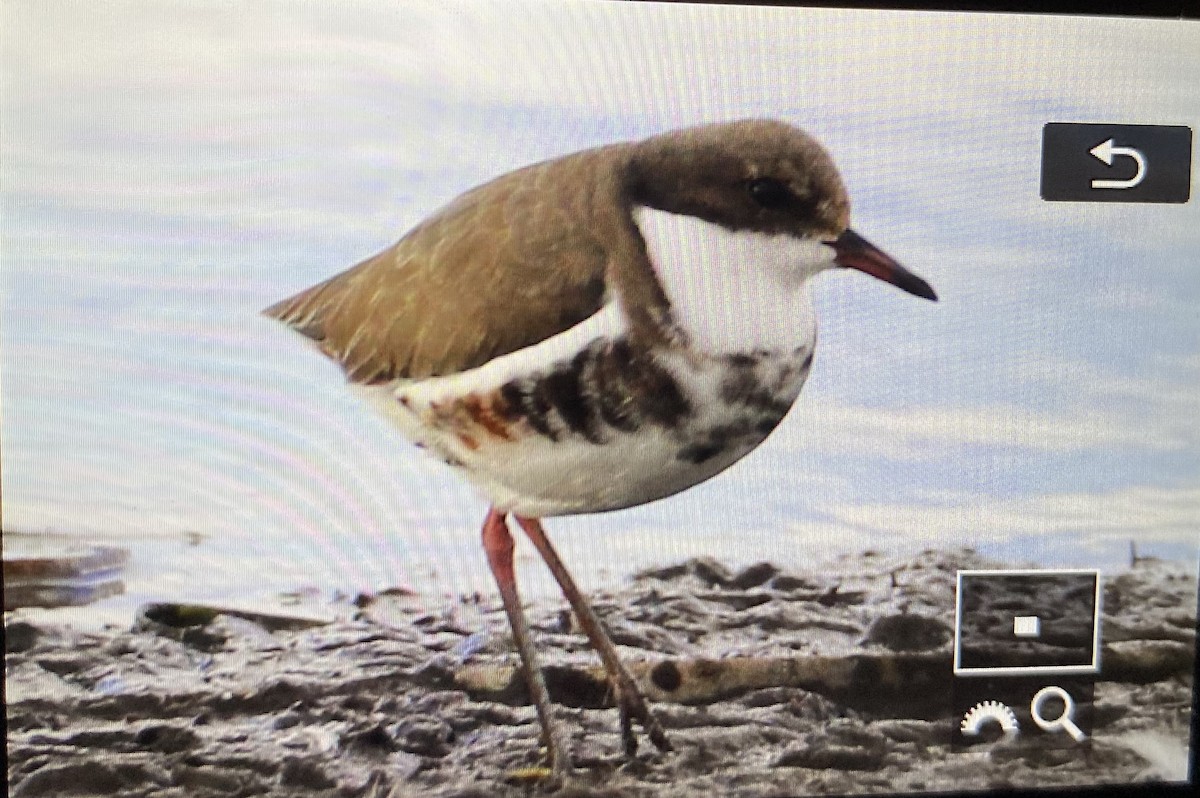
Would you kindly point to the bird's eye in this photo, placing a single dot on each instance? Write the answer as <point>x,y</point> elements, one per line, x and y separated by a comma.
<point>769,192</point>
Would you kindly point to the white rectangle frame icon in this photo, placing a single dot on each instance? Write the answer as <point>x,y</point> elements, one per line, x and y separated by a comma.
<point>1027,670</point>
<point>1027,626</point>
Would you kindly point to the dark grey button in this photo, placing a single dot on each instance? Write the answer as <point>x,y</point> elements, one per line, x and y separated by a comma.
<point>1116,163</point>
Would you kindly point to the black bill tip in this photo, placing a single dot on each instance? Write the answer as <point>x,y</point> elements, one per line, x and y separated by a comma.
<point>855,252</point>
<point>907,281</point>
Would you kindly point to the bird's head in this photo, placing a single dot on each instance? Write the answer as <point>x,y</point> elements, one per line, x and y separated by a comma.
<point>762,177</point>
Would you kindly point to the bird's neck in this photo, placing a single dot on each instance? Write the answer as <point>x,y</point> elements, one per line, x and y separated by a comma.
<point>733,292</point>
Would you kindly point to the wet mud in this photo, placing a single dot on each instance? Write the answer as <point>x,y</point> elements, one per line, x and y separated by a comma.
<point>768,683</point>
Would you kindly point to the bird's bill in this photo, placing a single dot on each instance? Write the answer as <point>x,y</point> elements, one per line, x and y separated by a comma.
<point>855,252</point>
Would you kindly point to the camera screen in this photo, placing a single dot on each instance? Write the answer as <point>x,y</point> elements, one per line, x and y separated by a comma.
<point>627,398</point>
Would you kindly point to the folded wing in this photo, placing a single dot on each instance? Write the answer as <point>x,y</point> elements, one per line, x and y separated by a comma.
<point>503,267</point>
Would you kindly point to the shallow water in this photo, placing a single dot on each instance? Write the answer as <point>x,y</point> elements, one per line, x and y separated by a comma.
<point>279,573</point>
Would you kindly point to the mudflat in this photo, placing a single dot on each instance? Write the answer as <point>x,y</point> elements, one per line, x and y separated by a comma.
<point>768,682</point>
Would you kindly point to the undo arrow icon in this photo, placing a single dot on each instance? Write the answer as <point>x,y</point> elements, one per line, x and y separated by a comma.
<point>1106,151</point>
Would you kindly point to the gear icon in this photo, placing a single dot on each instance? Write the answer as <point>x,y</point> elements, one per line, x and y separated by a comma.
<point>981,713</point>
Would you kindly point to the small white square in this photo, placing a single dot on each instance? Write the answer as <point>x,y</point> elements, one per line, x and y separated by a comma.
<point>1027,626</point>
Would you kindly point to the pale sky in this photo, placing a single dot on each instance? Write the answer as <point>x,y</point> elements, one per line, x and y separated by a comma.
<point>168,169</point>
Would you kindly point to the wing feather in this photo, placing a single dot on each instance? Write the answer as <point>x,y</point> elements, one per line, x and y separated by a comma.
<point>504,266</point>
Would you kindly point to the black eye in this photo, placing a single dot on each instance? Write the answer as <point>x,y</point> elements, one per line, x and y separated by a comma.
<point>769,192</point>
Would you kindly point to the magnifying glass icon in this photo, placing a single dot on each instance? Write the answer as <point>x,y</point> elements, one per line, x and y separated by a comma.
<point>1065,721</point>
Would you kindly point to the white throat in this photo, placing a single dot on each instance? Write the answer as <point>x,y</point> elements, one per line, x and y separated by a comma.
<point>734,292</point>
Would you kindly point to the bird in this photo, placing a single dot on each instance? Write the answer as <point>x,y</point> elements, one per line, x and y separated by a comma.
<point>598,331</point>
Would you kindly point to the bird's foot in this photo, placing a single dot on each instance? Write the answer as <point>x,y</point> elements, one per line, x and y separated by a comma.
<point>632,705</point>
<point>555,742</point>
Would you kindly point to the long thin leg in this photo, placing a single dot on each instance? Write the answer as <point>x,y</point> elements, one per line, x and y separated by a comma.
<point>498,544</point>
<point>630,701</point>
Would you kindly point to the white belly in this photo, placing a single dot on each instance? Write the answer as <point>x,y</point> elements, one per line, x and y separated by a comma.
<point>730,411</point>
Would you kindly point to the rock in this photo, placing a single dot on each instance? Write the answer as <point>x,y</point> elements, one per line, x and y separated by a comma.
<point>304,773</point>
<point>836,757</point>
<point>187,623</point>
<point>425,736</point>
<point>841,745</point>
<point>195,779</point>
<point>667,574</point>
<point>1142,661</point>
<point>374,740</point>
<point>20,636</point>
<point>788,583</point>
<point>166,738</point>
<point>709,571</point>
<point>754,575</point>
<point>72,778</point>
<point>908,632</point>
<point>738,601</point>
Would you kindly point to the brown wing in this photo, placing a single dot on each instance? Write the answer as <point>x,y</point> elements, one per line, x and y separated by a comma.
<point>504,266</point>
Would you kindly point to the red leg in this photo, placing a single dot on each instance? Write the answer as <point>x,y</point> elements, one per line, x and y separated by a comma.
<point>630,702</point>
<point>498,544</point>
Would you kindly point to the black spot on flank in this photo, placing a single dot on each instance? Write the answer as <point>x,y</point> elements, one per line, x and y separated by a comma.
<point>743,361</point>
<point>620,356</point>
<point>739,385</point>
<point>777,408</point>
<point>613,404</point>
<point>628,387</point>
<point>699,452</point>
<point>667,406</point>
<point>745,432</point>
<point>537,413</point>
<point>743,387</point>
<point>766,425</point>
<point>656,393</point>
<point>580,362</point>
<point>512,399</point>
<point>613,400</point>
<point>666,676</point>
<point>562,390</point>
